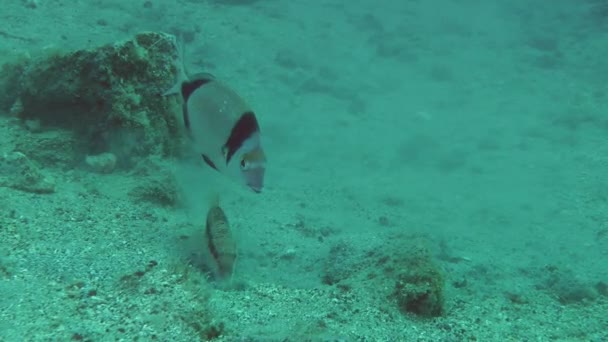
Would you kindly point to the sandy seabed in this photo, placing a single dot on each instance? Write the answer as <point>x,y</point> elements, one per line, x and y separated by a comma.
<point>478,127</point>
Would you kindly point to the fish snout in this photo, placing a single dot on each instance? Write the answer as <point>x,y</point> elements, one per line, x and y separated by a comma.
<point>254,178</point>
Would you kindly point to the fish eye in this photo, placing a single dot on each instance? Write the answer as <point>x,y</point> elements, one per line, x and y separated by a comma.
<point>244,164</point>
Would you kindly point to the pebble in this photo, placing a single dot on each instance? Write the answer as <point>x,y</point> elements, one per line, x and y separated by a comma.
<point>102,163</point>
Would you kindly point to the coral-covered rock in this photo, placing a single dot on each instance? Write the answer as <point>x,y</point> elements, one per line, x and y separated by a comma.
<point>109,97</point>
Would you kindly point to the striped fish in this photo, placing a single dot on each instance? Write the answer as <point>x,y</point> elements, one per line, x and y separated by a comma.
<point>223,127</point>
<point>220,242</point>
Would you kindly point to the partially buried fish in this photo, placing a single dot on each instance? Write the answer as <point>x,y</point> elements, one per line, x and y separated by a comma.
<point>220,242</point>
<point>224,128</point>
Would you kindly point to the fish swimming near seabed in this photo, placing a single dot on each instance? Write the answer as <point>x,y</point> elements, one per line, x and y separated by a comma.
<point>223,127</point>
<point>220,242</point>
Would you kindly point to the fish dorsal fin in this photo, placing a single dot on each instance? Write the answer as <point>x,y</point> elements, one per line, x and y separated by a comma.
<point>195,82</point>
<point>183,76</point>
<point>180,65</point>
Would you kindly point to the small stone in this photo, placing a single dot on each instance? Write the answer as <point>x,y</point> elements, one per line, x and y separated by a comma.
<point>33,126</point>
<point>16,108</point>
<point>102,163</point>
<point>289,254</point>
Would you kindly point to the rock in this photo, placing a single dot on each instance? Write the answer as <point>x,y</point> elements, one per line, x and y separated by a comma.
<point>17,108</point>
<point>419,284</point>
<point>33,126</point>
<point>101,163</point>
<point>19,172</point>
<point>108,97</point>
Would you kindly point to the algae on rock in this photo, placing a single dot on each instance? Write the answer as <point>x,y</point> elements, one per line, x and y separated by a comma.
<point>419,286</point>
<point>109,97</point>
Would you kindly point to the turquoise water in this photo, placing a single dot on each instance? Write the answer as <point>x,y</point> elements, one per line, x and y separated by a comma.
<point>410,144</point>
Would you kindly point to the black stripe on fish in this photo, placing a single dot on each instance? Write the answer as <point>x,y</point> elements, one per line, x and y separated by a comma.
<point>212,249</point>
<point>242,130</point>
<point>187,89</point>
<point>219,241</point>
<point>208,161</point>
<point>185,116</point>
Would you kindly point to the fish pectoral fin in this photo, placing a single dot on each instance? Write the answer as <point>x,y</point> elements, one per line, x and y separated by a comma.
<point>209,162</point>
<point>189,87</point>
<point>175,89</point>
